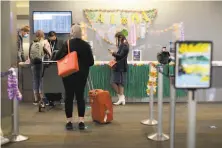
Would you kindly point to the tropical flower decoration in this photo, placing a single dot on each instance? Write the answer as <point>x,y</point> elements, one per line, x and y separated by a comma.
<point>152,82</point>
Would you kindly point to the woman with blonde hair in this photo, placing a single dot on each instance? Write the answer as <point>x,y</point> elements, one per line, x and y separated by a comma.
<point>74,84</point>
<point>37,50</point>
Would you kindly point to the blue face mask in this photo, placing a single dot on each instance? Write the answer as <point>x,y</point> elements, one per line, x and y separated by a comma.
<point>26,36</point>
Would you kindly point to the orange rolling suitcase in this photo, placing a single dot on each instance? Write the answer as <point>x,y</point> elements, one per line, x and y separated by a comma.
<point>101,104</point>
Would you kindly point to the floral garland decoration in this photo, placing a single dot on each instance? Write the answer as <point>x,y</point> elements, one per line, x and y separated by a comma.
<point>149,16</point>
<point>152,82</point>
<point>171,28</point>
<point>13,90</point>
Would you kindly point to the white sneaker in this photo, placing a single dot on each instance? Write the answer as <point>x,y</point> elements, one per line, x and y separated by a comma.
<point>121,100</point>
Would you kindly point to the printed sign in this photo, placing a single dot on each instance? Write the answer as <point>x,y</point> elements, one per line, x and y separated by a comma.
<point>137,55</point>
<point>193,64</point>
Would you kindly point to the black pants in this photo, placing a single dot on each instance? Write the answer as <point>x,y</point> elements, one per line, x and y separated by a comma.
<point>74,86</point>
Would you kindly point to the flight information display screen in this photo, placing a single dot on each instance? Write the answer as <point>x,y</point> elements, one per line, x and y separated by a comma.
<point>58,21</point>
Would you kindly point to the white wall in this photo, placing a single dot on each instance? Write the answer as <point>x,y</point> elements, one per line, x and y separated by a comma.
<point>202,20</point>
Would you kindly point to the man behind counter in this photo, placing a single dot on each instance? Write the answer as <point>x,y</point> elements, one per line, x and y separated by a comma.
<point>54,42</point>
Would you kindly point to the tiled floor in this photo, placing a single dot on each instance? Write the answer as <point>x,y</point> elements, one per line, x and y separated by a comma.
<point>47,129</point>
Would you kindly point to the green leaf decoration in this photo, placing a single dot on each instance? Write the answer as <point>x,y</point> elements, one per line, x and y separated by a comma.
<point>91,15</point>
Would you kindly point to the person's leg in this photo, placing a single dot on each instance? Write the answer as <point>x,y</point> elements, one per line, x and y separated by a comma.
<point>35,85</point>
<point>69,97</point>
<point>79,92</point>
<point>39,84</point>
<point>122,78</point>
<point>116,88</point>
<point>121,89</point>
<point>42,94</point>
<point>114,83</point>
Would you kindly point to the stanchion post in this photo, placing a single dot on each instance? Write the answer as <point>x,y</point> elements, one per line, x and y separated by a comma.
<point>150,120</point>
<point>3,139</point>
<point>191,128</point>
<point>15,134</point>
<point>172,114</point>
<point>159,136</point>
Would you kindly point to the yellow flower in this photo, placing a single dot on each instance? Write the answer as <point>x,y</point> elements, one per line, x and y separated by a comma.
<point>153,74</point>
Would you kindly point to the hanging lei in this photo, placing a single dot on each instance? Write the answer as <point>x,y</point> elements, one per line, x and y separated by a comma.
<point>152,78</point>
<point>13,90</point>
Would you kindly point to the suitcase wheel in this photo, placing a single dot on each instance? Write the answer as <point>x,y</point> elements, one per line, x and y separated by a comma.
<point>41,106</point>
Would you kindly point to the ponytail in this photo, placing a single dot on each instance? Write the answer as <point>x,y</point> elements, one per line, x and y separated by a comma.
<point>36,39</point>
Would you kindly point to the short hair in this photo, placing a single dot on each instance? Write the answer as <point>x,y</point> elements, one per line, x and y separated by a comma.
<point>76,31</point>
<point>25,28</point>
<point>51,34</point>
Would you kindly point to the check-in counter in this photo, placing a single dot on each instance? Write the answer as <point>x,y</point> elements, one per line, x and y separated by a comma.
<point>52,83</point>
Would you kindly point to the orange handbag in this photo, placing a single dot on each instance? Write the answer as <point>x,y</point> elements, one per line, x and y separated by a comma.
<point>112,63</point>
<point>69,64</point>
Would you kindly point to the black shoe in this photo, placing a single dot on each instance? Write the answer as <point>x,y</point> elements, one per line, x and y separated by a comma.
<point>81,126</point>
<point>69,126</point>
<point>35,102</point>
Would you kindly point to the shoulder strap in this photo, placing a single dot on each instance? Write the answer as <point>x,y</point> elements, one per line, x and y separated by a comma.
<point>122,58</point>
<point>68,46</point>
<point>30,48</point>
<point>42,42</point>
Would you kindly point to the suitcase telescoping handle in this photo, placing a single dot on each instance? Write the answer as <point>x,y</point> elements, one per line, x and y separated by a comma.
<point>89,82</point>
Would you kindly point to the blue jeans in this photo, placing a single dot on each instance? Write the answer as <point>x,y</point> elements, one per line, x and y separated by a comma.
<point>37,78</point>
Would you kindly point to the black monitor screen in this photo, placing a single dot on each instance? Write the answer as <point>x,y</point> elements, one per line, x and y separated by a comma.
<point>58,21</point>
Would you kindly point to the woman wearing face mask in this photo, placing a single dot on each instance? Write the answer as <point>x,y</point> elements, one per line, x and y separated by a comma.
<point>74,84</point>
<point>118,77</point>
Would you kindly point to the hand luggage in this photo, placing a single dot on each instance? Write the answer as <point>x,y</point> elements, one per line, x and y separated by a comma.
<point>53,97</point>
<point>101,104</point>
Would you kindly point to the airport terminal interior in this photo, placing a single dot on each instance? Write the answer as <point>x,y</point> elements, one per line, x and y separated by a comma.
<point>171,54</point>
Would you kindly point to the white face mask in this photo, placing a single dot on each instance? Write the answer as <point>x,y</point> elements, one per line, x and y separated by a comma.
<point>26,36</point>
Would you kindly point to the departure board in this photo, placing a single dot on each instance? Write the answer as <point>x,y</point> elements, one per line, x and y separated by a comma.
<point>58,21</point>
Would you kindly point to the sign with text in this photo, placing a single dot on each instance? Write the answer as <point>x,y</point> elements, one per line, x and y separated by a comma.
<point>193,64</point>
<point>137,55</point>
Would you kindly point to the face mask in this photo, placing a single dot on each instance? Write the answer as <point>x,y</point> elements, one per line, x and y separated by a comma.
<point>26,36</point>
